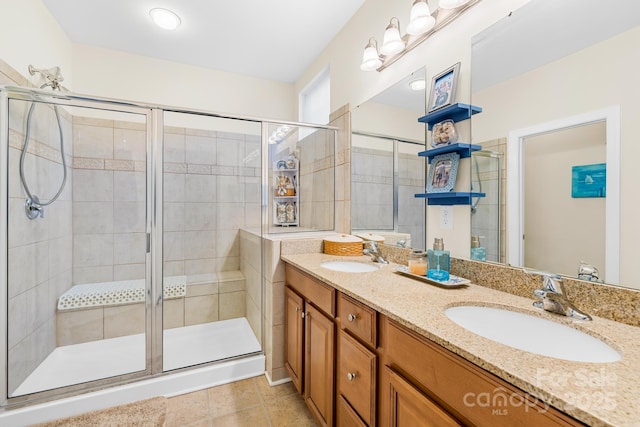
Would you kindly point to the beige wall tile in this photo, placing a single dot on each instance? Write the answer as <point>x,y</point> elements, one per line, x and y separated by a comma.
<point>199,289</point>
<point>202,309</point>
<point>231,305</point>
<point>173,313</point>
<point>79,326</point>
<point>124,320</point>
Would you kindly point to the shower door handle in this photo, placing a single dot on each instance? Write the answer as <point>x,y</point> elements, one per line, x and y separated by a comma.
<point>148,242</point>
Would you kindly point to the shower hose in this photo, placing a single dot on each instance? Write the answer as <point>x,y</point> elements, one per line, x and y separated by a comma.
<point>34,207</point>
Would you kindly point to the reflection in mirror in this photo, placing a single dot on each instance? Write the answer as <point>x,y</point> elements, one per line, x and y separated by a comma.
<point>486,223</point>
<point>549,161</point>
<point>534,85</point>
<point>386,171</point>
<point>385,175</point>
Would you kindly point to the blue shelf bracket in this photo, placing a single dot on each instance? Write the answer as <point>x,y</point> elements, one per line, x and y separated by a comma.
<point>456,112</point>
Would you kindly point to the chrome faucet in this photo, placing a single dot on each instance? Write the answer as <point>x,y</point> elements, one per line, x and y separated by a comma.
<point>589,272</point>
<point>374,252</point>
<point>553,297</point>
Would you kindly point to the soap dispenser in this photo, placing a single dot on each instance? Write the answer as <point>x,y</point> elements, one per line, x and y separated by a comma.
<point>438,261</point>
<point>478,253</point>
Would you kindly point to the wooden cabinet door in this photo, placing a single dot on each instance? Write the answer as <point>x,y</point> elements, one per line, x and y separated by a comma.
<point>294,337</point>
<point>409,407</point>
<point>346,416</point>
<point>319,364</point>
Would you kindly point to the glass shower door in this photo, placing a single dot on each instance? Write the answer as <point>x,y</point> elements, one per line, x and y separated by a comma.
<point>77,262</point>
<point>211,205</point>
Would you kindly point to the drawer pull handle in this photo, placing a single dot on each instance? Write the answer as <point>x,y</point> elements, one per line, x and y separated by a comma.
<point>352,317</point>
<point>352,376</point>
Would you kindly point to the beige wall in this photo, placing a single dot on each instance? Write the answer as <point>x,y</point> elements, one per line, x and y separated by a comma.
<point>560,231</point>
<point>114,74</point>
<point>30,35</point>
<point>350,85</point>
<point>590,92</point>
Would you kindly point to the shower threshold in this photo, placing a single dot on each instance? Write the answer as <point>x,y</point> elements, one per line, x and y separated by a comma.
<point>184,346</point>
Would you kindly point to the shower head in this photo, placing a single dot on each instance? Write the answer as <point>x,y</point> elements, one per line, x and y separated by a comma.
<point>52,76</point>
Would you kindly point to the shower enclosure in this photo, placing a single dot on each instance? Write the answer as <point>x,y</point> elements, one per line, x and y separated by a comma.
<point>487,212</point>
<point>386,173</point>
<point>138,268</point>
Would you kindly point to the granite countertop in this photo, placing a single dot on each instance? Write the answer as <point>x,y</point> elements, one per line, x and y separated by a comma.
<point>598,394</point>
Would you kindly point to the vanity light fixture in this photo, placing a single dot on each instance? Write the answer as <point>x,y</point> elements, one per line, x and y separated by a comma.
<point>280,134</point>
<point>164,18</point>
<point>417,85</point>
<point>451,4</point>
<point>392,42</point>
<point>370,58</point>
<point>420,19</point>
<point>422,25</point>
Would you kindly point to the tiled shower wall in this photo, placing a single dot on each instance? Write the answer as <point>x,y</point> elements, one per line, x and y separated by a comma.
<point>317,180</point>
<point>211,190</point>
<point>372,192</point>
<point>39,253</point>
<point>109,200</point>
<point>489,218</point>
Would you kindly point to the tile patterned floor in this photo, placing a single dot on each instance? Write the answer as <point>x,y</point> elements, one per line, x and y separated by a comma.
<point>251,403</point>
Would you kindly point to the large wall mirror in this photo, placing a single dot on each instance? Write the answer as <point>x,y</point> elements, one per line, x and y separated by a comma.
<point>386,171</point>
<point>557,81</point>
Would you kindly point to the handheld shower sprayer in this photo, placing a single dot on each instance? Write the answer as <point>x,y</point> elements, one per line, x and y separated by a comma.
<point>34,208</point>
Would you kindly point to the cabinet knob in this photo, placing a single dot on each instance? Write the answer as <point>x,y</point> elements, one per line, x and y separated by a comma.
<point>352,376</point>
<point>297,309</point>
<point>352,317</point>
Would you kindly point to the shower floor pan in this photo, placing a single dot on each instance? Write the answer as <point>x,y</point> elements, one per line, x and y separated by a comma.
<point>185,346</point>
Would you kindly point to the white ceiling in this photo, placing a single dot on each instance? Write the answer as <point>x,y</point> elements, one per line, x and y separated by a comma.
<point>275,39</point>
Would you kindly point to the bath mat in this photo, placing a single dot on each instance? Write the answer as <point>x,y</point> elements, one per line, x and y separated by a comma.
<point>145,413</point>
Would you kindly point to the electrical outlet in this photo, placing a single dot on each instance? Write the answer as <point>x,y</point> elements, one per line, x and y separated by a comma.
<point>446,217</point>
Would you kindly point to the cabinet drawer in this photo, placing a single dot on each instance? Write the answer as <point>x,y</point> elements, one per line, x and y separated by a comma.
<point>454,383</point>
<point>357,377</point>
<point>321,295</point>
<point>358,319</point>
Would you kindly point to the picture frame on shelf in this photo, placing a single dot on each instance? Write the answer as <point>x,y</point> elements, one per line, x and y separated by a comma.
<point>443,88</point>
<point>443,170</point>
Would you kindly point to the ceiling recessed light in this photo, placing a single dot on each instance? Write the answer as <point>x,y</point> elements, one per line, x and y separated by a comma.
<point>165,18</point>
<point>418,85</point>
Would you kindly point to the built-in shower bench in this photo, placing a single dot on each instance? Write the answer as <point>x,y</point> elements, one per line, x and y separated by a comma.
<point>95,311</point>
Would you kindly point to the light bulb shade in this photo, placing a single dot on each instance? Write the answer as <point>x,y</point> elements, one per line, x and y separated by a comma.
<point>420,19</point>
<point>370,59</point>
<point>165,18</point>
<point>451,4</point>
<point>392,43</point>
<point>417,85</point>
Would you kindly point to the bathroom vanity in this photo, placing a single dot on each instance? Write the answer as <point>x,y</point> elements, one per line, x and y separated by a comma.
<point>376,348</point>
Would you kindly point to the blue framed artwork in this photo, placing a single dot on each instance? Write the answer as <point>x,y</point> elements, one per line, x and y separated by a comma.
<point>442,174</point>
<point>589,181</point>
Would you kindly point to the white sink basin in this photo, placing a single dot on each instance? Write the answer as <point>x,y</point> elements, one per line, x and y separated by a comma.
<point>532,334</point>
<point>349,266</point>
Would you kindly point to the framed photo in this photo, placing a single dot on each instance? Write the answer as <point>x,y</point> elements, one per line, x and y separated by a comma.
<point>443,170</point>
<point>443,88</point>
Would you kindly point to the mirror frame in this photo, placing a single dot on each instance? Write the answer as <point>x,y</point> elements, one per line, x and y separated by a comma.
<point>515,185</point>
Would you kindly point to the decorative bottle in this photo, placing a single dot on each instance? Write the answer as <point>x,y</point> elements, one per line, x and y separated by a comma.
<point>438,261</point>
<point>479,253</point>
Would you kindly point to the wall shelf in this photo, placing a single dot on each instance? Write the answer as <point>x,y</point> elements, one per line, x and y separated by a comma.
<point>450,198</point>
<point>456,112</point>
<point>461,148</point>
